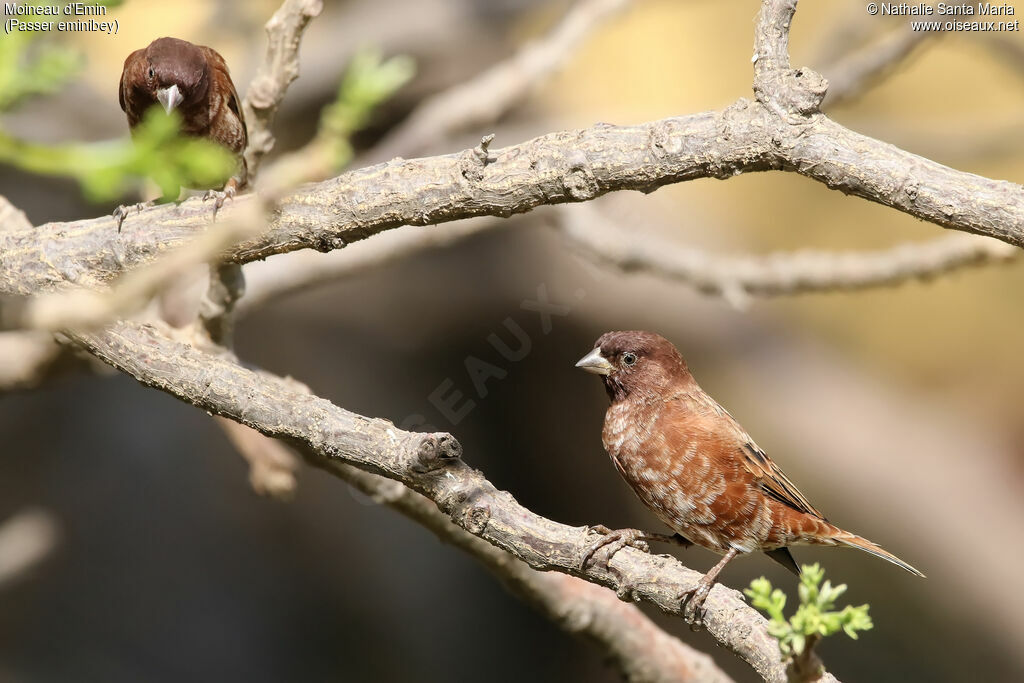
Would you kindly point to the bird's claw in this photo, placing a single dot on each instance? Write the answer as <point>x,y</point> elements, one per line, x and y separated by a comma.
<point>617,539</point>
<point>121,212</point>
<point>693,605</point>
<point>220,196</point>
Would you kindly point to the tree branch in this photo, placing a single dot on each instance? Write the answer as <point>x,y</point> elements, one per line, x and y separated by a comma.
<point>487,96</point>
<point>26,539</point>
<point>555,168</point>
<point>427,463</point>
<point>279,69</point>
<point>271,465</point>
<point>856,71</point>
<point>739,277</point>
<point>278,277</point>
<point>483,99</point>
<point>93,307</point>
<point>640,650</point>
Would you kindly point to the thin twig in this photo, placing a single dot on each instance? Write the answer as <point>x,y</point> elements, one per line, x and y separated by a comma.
<point>489,95</point>
<point>737,278</point>
<point>284,275</point>
<point>271,465</point>
<point>266,92</point>
<point>858,70</point>
<point>279,69</point>
<point>25,540</point>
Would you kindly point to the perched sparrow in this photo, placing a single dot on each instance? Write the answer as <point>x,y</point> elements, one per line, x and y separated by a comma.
<point>696,468</point>
<point>194,80</point>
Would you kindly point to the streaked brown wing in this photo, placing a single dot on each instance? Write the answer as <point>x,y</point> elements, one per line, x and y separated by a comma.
<point>234,103</point>
<point>774,481</point>
<point>133,70</point>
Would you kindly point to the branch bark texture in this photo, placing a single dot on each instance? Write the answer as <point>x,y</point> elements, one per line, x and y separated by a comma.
<point>279,69</point>
<point>556,168</point>
<point>641,651</point>
<point>431,465</point>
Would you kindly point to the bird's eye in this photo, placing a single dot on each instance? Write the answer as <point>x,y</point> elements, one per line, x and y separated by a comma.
<point>151,74</point>
<point>628,358</point>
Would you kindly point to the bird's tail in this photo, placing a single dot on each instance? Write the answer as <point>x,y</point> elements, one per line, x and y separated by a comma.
<point>854,541</point>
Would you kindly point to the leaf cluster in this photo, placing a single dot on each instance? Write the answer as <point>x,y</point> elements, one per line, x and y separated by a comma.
<point>369,81</point>
<point>815,617</point>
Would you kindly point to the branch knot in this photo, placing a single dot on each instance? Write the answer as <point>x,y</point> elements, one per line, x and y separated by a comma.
<point>580,182</point>
<point>792,91</point>
<point>436,450</point>
<point>475,160</point>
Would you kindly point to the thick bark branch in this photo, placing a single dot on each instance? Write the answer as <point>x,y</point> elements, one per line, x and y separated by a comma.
<point>555,168</point>
<point>639,649</point>
<point>427,463</point>
<point>856,164</point>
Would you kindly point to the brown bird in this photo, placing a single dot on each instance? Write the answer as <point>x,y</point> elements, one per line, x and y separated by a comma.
<point>194,80</point>
<point>696,468</point>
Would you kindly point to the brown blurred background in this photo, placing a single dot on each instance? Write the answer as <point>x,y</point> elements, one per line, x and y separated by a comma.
<point>897,410</point>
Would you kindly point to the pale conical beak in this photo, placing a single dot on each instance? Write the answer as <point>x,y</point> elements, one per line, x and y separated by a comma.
<point>596,363</point>
<point>169,97</point>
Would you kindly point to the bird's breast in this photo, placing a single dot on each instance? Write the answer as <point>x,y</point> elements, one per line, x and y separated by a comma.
<point>676,474</point>
<point>655,468</point>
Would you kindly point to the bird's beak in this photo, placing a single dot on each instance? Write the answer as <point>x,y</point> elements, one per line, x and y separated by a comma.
<point>596,363</point>
<point>169,97</point>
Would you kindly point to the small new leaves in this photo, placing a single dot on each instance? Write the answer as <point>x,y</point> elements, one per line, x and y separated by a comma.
<point>369,81</point>
<point>107,170</point>
<point>27,70</point>
<point>172,161</point>
<point>815,618</point>
<point>29,66</point>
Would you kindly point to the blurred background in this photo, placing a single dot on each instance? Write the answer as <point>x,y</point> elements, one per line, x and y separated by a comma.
<point>897,410</point>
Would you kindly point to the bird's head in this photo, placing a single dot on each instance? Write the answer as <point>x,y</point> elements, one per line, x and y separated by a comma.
<point>635,364</point>
<point>175,73</point>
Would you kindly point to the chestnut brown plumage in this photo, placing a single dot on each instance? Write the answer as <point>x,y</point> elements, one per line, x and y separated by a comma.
<point>194,80</point>
<point>696,468</point>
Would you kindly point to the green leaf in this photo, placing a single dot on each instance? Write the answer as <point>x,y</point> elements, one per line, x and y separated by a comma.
<point>108,170</point>
<point>814,616</point>
<point>369,81</point>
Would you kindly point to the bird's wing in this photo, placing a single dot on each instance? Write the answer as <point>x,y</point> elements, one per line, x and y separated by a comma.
<point>217,62</point>
<point>129,64</point>
<point>732,437</point>
<point>773,481</point>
